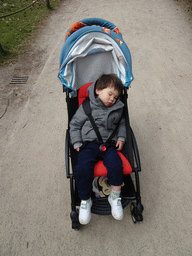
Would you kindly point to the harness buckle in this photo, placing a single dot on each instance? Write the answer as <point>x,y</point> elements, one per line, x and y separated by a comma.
<point>103,148</point>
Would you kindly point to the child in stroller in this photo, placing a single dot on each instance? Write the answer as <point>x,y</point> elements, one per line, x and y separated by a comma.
<point>107,108</point>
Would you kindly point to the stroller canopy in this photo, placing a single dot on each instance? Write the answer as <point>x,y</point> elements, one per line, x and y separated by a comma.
<point>93,47</point>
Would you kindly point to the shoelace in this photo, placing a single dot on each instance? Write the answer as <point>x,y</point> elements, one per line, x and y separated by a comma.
<point>119,202</point>
<point>84,205</point>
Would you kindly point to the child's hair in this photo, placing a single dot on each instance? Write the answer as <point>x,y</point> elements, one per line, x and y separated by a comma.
<point>110,80</point>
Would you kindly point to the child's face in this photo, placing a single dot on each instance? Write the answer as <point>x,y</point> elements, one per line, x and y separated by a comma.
<point>108,96</point>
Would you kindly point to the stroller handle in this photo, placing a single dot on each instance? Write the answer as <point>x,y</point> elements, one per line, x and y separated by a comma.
<point>91,22</point>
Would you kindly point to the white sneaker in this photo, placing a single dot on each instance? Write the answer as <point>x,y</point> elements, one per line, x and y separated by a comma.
<point>85,211</point>
<point>116,208</point>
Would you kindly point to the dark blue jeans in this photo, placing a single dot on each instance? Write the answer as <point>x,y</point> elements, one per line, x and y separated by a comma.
<point>84,169</point>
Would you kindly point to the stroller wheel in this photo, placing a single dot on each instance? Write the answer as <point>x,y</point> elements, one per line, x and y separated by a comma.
<point>76,225</point>
<point>133,212</point>
<point>75,220</point>
<point>136,212</point>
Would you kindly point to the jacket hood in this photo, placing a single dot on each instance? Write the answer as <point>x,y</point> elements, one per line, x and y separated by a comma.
<point>92,96</point>
<point>96,101</point>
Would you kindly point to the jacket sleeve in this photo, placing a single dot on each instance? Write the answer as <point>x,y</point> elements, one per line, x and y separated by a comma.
<point>76,124</point>
<point>122,129</point>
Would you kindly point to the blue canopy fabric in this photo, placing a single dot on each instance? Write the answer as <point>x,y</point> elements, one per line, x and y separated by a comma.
<point>93,47</point>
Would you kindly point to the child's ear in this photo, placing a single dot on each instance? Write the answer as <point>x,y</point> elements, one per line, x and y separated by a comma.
<point>96,91</point>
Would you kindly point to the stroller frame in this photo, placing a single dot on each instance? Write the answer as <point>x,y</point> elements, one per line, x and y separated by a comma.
<point>130,192</point>
<point>101,205</point>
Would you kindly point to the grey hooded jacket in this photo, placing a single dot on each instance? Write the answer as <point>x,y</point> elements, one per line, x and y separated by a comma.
<point>105,118</point>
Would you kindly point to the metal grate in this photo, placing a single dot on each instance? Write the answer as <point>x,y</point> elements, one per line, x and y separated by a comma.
<point>19,80</point>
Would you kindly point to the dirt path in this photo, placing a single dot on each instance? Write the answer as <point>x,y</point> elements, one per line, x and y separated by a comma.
<point>28,64</point>
<point>35,198</point>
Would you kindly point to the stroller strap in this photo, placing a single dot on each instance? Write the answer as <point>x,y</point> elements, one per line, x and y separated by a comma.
<point>87,108</point>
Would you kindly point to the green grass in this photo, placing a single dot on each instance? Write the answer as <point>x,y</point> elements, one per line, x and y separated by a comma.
<point>17,30</point>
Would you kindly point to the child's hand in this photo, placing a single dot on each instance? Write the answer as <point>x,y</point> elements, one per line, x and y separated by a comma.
<point>77,145</point>
<point>119,145</point>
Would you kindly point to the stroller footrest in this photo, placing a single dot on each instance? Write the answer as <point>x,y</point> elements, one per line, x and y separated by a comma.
<point>101,206</point>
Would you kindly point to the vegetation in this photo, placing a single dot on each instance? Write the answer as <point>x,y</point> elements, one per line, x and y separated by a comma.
<point>17,29</point>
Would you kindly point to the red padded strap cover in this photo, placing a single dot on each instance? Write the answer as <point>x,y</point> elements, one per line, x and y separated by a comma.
<point>83,94</point>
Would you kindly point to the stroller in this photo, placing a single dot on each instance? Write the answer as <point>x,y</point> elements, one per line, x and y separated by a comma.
<point>94,47</point>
